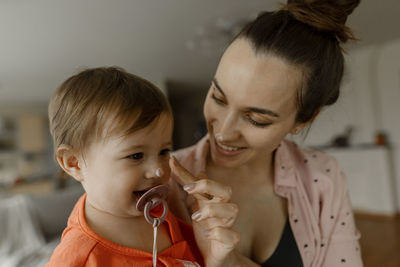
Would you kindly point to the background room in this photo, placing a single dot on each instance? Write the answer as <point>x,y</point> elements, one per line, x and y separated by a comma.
<point>177,44</point>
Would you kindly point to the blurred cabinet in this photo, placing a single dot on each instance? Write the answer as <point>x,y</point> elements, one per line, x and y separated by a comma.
<point>370,178</point>
<point>7,134</point>
<point>187,105</point>
<point>31,134</point>
<point>24,148</point>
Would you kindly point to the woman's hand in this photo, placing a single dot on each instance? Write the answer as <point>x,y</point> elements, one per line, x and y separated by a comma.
<point>212,215</point>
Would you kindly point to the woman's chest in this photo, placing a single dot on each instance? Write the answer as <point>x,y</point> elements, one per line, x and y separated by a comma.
<point>261,219</point>
<point>262,214</point>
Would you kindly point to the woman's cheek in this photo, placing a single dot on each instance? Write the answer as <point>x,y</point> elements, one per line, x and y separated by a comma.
<point>207,109</point>
<point>263,138</point>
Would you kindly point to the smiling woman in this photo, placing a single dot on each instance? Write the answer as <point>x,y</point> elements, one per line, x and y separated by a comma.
<point>250,106</point>
<point>273,80</point>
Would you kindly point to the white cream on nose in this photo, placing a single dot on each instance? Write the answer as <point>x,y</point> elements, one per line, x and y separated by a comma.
<point>159,172</point>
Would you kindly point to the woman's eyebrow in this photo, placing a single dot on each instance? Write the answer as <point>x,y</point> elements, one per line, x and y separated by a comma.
<point>263,111</point>
<point>215,82</point>
<point>252,109</point>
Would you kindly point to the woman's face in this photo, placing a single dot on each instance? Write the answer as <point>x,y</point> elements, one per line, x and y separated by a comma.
<point>251,105</point>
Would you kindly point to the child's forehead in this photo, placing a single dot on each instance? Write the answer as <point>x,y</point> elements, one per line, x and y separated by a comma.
<point>158,131</point>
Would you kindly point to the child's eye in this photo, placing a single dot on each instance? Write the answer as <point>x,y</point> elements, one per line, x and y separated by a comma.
<point>165,151</point>
<point>136,156</point>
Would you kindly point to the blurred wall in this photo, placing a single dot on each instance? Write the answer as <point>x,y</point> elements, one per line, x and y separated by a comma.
<point>388,86</point>
<point>370,102</point>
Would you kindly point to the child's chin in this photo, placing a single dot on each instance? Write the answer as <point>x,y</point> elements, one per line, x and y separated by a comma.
<point>133,212</point>
<point>137,213</point>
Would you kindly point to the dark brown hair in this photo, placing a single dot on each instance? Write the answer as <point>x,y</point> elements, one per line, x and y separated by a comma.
<point>307,34</point>
<point>99,102</point>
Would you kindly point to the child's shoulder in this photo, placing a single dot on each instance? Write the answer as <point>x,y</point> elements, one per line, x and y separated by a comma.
<point>73,250</point>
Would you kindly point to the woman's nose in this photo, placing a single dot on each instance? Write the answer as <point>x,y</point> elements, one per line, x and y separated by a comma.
<point>229,128</point>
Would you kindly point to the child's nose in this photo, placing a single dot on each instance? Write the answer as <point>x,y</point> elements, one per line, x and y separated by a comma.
<point>159,172</point>
<point>155,173</point>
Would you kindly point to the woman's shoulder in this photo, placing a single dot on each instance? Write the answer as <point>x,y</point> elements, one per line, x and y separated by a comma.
<point>194,157</point>
<point>316,169</point>
<point>311,159</point>
<point>324,182</point>
<point>184,153</point>
<point>329,208</point>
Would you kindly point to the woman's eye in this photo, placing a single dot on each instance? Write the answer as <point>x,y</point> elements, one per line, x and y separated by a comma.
<point>136,156</point>
<point>217,100</point>
<point>165,152</point>
<point>256,123</point>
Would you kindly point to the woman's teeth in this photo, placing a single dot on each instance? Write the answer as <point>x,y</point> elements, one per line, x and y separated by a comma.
<point>229,148</point>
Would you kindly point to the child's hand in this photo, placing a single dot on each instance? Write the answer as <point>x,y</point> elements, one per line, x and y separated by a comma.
<point>213,215</point>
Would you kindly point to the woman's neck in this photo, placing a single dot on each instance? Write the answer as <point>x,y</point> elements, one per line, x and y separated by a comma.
<point>259,168</point>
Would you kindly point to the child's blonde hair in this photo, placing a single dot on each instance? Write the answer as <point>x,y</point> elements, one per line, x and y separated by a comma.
<point>100,102</point>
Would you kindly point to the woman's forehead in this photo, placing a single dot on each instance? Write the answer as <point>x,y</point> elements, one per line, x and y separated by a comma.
<point>262,79</point>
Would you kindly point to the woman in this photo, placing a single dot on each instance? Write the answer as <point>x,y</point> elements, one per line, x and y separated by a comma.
<point>290,206</point>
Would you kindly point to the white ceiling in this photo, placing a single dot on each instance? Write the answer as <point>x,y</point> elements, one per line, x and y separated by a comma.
<point>43,42</point>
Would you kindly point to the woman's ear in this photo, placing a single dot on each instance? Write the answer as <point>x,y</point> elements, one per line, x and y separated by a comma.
<point>300,126</point>
<point>70,161</point>
<point>297,129</point>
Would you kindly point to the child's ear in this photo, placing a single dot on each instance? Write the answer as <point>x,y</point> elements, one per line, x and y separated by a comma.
<point>70,161</point>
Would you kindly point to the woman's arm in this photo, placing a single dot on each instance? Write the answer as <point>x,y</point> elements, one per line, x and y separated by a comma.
<point>343,247</point>
<point>212,215</point>
<point>181,206</point>
<point>212,227</point>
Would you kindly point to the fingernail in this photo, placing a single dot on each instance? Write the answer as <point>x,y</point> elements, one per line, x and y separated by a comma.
<point>196,215</point>
<point>188,187</point>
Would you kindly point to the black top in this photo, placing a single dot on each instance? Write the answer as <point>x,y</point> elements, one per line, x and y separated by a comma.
<point>286,253</point>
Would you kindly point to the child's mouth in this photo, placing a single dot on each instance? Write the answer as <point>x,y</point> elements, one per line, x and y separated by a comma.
<point>139,193</point>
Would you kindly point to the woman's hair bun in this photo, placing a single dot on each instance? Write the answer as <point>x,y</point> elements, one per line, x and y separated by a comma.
<point>324,15</point>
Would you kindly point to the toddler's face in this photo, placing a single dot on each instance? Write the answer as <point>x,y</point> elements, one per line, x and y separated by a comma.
<point>118,171</point>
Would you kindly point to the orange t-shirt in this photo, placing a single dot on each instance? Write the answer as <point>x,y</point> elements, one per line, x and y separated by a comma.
<point>81,246</point>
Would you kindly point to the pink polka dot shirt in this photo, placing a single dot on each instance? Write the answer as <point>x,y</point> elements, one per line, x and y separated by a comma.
<point>319,209</point>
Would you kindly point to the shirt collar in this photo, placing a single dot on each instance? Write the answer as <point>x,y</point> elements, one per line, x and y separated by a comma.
<point>285,174</point>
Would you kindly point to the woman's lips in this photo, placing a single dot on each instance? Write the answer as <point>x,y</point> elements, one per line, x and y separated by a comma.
<point>228,150</point>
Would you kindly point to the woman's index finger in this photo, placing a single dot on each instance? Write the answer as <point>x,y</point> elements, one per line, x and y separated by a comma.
<point>183,176</point>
